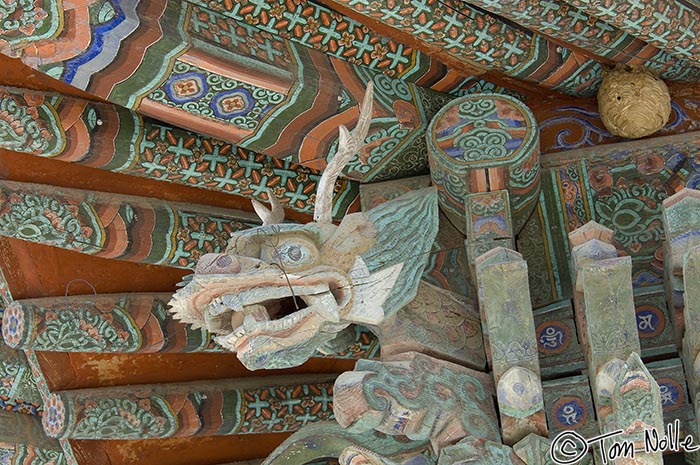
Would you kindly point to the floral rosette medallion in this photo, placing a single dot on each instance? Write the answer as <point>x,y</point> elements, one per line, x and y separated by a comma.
<point>54,418</point>
<point>13,326</point>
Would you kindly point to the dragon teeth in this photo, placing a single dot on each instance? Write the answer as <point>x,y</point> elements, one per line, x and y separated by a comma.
<point>325,305</point>
<point>224,303</point>
<point>217,307</point>
<point>250,323</point>
<point>229,341</point>
<point>234,301</point>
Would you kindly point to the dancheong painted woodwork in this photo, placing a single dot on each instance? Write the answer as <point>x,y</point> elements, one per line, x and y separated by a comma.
<point>485,143</point>
<point>345,232</point>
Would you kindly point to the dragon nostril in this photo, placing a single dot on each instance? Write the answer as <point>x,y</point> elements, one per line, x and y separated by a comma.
<point>218,264</point>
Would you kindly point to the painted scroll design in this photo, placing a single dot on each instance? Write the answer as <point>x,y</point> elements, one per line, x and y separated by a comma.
<point>572,127</point>
<point>22,454</point>
<point>29,124</point>
<point>42,218</point>
<point>141,412</point>
<point>623,190</point>
<point>18,390</point>
<point>101,323</point>
<point>86,221</point>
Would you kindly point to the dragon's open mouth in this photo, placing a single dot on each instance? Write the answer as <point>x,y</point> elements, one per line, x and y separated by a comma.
<point>276,310</point>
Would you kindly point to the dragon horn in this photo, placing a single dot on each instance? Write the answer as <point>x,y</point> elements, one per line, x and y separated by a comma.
<point>349,143</point>
<point>273,216</point>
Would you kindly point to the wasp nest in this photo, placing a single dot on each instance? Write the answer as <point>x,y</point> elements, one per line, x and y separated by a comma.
<point>633,102</point>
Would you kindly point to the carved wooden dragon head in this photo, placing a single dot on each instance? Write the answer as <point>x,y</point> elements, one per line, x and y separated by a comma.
<point>280,291</point>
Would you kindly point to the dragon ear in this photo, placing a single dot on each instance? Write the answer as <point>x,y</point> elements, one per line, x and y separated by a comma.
<point>355,235</point>
<point>406,229</point>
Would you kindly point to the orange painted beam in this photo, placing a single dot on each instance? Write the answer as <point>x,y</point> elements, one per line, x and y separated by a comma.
<point>177,451</point>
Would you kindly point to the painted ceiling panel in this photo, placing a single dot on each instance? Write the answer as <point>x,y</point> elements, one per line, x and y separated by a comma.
<point>197,68</point>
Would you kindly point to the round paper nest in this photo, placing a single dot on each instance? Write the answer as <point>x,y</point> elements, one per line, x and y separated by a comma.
<point>633,102</point>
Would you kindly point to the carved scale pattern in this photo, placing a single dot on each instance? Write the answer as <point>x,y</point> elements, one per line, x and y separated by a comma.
<point>467,395</point>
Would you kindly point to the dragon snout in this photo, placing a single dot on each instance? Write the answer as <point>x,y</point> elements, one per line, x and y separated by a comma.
<point>221,263</point>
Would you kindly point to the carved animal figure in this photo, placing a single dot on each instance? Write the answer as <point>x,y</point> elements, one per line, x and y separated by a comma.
<point>417,396</point>
<point>280,291</point>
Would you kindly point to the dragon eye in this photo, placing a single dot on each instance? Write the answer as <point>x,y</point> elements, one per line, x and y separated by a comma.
<point>290,252</point>
<point>294,254</point>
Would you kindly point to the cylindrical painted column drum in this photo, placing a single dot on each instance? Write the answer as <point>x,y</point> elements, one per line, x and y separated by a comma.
<point>483,143</point>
